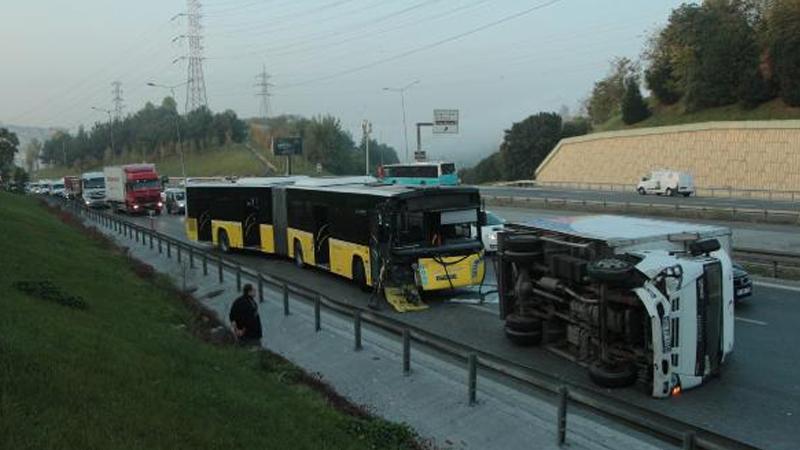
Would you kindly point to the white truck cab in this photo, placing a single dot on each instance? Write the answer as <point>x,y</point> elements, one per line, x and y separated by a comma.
<point>636,301</point>
<point>93,191</point>
<point>666,182</point>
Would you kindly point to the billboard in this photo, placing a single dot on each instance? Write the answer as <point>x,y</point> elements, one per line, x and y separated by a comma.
<point>287,146</point>
<point>445,121</point>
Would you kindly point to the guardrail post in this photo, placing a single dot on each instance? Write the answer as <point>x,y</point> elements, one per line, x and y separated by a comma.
<point>169,249</point>
<point>238,277</point>
<point>774,269</point>
<point>151,241</point>
<point>179,247</point>
<point>562,415</point>
<point>406,352</point>
<point>191,256</point>
<point>205,264</point>
<point>285,299</point>
<point>158,237</point>
<point>357,330</point>
<point>221,274</point>
<point>144,238</point>
<point>317,316</point>
<point>260,289</point>
<point>472,378</point>
<point>689,441</point>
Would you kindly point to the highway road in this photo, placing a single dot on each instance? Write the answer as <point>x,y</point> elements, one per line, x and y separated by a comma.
<point>719,202</point>
<point>757,399</point>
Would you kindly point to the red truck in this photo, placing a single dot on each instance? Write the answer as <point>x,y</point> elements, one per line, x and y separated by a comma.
<point>133,188</point>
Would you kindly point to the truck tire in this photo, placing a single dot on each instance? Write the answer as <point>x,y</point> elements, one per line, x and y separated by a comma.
<point>223,242</point>
<point>669,192</point>
<point>523,331</point>
<point>612,375</point>
<point>641,191</point>
<point>609,270</point>
<point>687,194</point>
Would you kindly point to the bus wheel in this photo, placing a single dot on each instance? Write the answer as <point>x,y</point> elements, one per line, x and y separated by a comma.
<point>224,243</point>
<point>298,255</point>
<point>360,275</point>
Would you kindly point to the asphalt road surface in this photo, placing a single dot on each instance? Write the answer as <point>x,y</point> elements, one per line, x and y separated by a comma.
<point>633,197</point>
<point>756,400</point>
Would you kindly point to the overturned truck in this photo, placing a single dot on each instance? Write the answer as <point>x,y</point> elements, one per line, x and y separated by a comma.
<point>633,300</point>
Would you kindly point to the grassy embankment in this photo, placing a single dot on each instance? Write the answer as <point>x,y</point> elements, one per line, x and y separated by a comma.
<point>676,115</point>
<point>129,371</point>
<point>234,159</point>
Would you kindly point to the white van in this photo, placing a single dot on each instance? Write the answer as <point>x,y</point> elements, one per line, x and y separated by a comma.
<point>667,182</point>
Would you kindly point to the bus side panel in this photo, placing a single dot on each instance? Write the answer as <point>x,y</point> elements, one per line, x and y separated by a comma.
<point>191,228</point>
<point>342,255</point>
<point>279,221</point>
<point>306,241</point>
<point>267,238</point>
<point>233,229</point>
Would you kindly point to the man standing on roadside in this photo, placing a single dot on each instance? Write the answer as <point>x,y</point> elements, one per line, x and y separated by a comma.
<point>244,318</point>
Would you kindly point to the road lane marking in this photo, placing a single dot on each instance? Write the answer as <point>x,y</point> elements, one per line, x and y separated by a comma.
<point>777,286</point>
<point>752,321</point>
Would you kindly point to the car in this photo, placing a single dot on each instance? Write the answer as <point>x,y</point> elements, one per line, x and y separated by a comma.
<point>742,283</point>
<point>175,200</point>
<point>492,224</point>
<point>666,182</point>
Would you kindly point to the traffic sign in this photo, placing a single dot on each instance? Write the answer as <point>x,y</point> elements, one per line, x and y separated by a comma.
<point>287,146</point>
<point>445,121</point>
<point>420,155</point>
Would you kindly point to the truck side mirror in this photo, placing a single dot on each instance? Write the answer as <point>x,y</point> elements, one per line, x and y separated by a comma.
<point>482,218</point>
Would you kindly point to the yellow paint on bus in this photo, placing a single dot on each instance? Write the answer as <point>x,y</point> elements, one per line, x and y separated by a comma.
<point>306,241</point>
<point>191,228</point>
<point>451,272</point>
<point>267,234</point>
<point>233,229</point>
<point>343,253</point>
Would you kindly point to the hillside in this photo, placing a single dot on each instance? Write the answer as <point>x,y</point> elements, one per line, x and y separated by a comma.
<point>233,159</point>
<point>676,115</point>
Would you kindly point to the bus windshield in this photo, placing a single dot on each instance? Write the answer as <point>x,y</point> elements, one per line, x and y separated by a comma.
<point>435,228</point>
<point>412,171</point>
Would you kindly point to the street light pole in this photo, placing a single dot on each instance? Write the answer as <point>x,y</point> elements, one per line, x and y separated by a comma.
<point>177,123</point>
<point>402,91</point>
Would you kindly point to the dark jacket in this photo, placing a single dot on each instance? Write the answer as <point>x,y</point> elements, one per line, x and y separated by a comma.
<point>244,312</point>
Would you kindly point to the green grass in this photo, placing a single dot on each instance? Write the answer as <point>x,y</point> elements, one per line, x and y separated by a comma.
<point>676,115</point>
<point>234,159</point>
<point>126,373</point>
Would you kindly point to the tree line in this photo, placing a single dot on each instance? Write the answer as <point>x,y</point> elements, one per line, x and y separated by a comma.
<point>716,53</point>
<point>153,131</point>
<point>325,142</point>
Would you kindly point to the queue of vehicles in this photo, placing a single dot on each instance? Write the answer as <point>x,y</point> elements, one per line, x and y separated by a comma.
<point>633,300</point>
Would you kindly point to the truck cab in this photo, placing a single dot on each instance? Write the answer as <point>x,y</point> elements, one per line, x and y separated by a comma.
<point>632,308</point>
<point>93,192</point>
<point>133,188</point>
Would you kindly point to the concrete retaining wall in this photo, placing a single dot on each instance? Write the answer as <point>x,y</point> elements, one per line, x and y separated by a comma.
<point>741,155</point>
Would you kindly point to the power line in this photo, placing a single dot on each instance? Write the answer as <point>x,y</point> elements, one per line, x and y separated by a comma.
<point>195,80</point>
<point>425,47</point>
<point>117,100</point>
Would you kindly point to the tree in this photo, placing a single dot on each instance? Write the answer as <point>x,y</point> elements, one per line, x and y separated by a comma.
<point>527,143</point>
<point>634,109</point>
<point>9,145</point>
<point>32,152</point>
<point>604,101</point>
<point>20,176</point>
<point>782,42</point>
<point>489,169</point>
<point>577,126</point>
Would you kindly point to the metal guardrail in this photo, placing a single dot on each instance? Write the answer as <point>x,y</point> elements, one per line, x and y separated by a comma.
<point>733,213</point>
<point>723,192</point>
<point>773,261</point>
<point>659,425</point>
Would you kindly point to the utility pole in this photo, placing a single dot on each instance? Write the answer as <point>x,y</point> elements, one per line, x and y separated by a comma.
<point>117,100</point>
<point>195,81</point>
<point>402,92</point>
<point>263,84</point>
<point>366,128</point>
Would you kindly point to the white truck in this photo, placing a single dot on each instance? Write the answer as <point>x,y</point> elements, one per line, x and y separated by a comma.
<point>666,182</point>
<point>93,192</point>
<point>633,300</point>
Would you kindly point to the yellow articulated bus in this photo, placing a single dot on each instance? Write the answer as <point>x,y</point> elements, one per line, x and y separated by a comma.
<point>401,239</point>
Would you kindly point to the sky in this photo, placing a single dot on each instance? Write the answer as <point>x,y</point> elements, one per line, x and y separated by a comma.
<point>490,59</point>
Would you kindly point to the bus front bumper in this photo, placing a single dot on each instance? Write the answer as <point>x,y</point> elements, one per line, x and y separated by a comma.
<point>450,272</point>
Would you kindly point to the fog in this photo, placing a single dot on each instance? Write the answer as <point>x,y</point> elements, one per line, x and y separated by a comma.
<point>324,57</point>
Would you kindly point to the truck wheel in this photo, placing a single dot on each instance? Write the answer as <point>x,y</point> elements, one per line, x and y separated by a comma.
<point>641,191</point>
<point>686,194</point>
<point>298,255</point>
<point>609,269</point>
<point>612,375</point>
<point>669,192</point>
<point>223,242</point>
<point>523,331</point>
